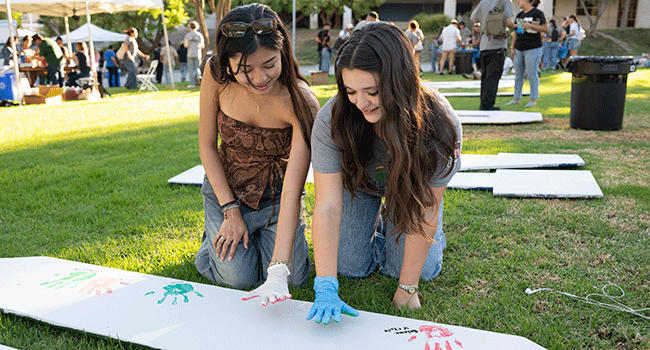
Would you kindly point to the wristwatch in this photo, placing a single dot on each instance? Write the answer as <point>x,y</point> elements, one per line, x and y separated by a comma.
<point>409,288</point>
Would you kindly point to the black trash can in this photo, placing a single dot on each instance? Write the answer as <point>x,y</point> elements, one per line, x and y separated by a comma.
<point>463,61</point>
<point>598,85</point>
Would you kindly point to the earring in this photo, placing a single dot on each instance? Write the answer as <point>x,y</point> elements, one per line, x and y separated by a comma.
<point>229,70</point>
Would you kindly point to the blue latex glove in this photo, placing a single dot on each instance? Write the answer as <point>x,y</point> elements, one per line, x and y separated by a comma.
<point>519,30</point>
<point>328,303</point>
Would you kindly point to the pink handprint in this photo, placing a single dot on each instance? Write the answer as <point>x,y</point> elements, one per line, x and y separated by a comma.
<point>98,284</point>
<point>436,332</point>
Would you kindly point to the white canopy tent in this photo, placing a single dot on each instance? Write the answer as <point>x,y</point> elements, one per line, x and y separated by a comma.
<point>99,35</point>
<point>67,8</point>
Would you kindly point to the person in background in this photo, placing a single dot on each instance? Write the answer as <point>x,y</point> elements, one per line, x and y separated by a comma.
<point>475,37</point>
<point>552,39</point>
<point>492,51</point>
<point>433,48</point>
<point>165,60</point>
<point>159,67</point>
<point>383,150</point>
<point>130,57</point>
<point>324,51</point>
<point>8,52</point>
<point>51,52</point>
<point>112,67</point>
<point>450,36</point>
<point>64,49</point>
<point>415,35</point>
<point>572,42</point>
<point>344,34</point>
<point>82,62</point>
<point>194,42</point>
<point>255,116</point>
<point>26,54</point>
<point>526,49</point>
<point>182,61</point>
<point>465,34</point>
<point>370,17</point>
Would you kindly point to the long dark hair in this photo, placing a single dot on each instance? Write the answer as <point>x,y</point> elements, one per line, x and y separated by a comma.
<point>248,44</point>
<point>417,131</point>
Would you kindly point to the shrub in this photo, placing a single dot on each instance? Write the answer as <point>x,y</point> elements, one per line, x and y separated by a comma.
<point>431,23</point>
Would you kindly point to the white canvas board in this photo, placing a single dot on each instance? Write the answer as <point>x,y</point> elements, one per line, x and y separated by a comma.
<point>467,84</point>
<point>2,347</point>
<point>497,117</point>
<point>546,183</point>
<point>194,176</point>
<point>478,93</point>
<point>472,181</point>
<point>171,314</point>
<point>470,162</point>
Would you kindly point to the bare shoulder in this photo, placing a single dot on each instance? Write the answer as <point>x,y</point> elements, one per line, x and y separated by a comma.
<point>312,101</point>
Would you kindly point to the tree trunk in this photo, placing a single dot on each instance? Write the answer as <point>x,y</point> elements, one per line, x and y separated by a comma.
<point>593,23</point>
<point>626,9</point>
<point>299,18</point>
<point>220,9</point>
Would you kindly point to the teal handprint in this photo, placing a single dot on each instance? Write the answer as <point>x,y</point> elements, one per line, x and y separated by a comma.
<point>177,289</point>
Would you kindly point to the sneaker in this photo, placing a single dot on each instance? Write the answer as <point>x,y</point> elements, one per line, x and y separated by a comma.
<point>513,102</point>
<point>530,104</point>
<point>441,73</point>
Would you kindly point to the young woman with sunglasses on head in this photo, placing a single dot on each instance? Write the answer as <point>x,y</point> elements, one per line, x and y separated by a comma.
<point>383,135</point>
<point>256,115</point>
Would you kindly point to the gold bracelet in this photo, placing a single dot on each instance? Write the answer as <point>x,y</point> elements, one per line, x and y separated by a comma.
<point>278,262</point>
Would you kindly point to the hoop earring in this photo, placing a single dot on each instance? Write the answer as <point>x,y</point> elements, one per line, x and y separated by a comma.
<point>229,70</point>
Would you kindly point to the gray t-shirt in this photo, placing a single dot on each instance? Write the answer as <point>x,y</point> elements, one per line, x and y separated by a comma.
<point>194,42</point>
<point>326,155</point>
<point>480,14</point>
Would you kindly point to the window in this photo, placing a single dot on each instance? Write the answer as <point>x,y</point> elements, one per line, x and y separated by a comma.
<point>592,7</point>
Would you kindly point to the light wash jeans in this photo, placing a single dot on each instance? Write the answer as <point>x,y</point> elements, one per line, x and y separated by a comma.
<point>248,266</point>
<point>131,73</point>
<point>550,58</point>
<point>183,66</point>
<point>362,251</point>
<point>194,70</point>
<point>167,75</point>
<point>527,62</point>
<point>326,60</point>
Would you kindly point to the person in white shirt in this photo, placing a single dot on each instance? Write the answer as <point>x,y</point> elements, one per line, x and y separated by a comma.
<point>194,43</point>
<point>450,38</point>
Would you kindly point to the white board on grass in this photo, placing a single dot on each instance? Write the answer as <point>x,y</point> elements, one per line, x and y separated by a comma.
<point>170,314</point>
<point>2,347</point>
<point>478,93</point>
<point>470,162</point>
<point>497,117</point>
<point>194,176</point>
<point>472,181</point>
<point>467,84</point>
<point>546,183</point>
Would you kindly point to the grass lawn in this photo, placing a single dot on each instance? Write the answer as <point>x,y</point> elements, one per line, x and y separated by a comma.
<point>88,182</point>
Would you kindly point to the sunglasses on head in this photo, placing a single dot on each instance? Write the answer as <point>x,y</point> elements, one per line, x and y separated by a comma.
<point>259,27</point>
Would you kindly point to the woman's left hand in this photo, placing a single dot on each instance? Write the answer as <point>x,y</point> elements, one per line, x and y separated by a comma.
<point>402,298</point>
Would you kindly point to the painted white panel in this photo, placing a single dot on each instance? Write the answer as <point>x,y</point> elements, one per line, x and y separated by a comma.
<point>478,93</point>
<point>466,84</point>
<point>546,183</point>
<point>2,347</point>
<point>518,161</point>
<point>171,314</point>
<point>497,117</point>
<point>472,181</point>
<point>194,176</point>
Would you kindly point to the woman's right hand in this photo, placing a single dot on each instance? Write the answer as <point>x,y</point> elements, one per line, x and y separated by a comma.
<point>233,229</point>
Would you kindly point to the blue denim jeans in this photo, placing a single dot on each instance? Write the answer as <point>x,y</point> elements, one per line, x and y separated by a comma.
<point>194,70</point>
<point>131,73</point>
<point>363,250</point>
<point>550,58</point>
<point>527,62</point>
<point>167,75</point>
<point>248,266</point>
<point>183,66</point>
<point>326,60</point>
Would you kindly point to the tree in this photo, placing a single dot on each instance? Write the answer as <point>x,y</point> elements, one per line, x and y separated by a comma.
<point>626,9</point>
<point>220,9</point>
<point>601,5</point>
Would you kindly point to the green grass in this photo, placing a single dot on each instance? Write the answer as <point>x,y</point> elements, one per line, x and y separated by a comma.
<point>88,182</point>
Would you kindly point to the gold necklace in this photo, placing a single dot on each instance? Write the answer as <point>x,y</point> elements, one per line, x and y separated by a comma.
<point>253,98</point>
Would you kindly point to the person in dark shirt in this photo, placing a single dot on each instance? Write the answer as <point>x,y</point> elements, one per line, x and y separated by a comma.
<point>182,60</point>
<point>159,67</point>
<point>324,52</point>
<point>82,62</point>
<point>48,49</point>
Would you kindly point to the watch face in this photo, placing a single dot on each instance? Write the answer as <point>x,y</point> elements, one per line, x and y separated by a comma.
<point>411,289</point>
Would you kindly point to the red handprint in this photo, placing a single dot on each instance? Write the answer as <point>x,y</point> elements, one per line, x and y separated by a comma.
<point>436,332</point>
